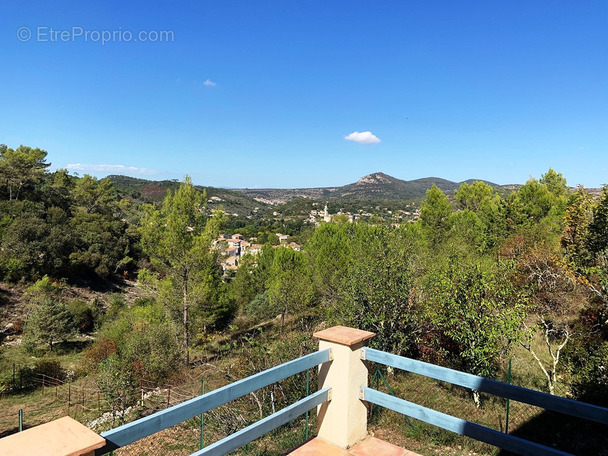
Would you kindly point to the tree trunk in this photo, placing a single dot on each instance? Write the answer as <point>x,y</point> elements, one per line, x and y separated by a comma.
<point>186,336</point>
<point>283,318</point>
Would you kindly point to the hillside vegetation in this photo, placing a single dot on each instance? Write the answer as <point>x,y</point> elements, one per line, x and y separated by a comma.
<point>121,289</point>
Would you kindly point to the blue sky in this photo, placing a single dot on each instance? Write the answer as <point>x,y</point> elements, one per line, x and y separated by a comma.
<point>263,94</point>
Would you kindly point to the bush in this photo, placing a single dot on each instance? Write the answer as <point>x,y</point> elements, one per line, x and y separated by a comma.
<point>591,376</point>
<point>52,369</point>
<point>83,316</point>
<point>259,307</point>
<point>101,350</point>
<point>117,303</point>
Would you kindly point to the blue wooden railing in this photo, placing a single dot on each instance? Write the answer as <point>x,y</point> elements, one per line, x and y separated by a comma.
<point>459,426</point>
<point>136,430</point>
<point>149,425</point>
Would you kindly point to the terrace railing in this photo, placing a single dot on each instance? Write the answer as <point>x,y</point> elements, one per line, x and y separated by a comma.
<point>341,400</point>
<point>136,430</point>
<point>481,384</point>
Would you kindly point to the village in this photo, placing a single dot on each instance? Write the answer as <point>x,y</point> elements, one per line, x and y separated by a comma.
<point>234,247</point>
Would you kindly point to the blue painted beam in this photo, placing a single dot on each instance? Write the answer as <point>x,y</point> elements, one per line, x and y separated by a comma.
<point>516,393</point>
<point>258,429</point>
<point>136,430</point>
<point>459,426</point>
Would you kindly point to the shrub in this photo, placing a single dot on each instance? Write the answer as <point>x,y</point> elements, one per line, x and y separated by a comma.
<point>82,315</point>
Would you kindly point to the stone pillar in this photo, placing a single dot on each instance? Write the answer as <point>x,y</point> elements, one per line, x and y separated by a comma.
<point>343,420</point>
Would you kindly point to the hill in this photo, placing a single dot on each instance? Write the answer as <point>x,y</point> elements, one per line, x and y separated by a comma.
<point>244,201</point>
<point>375,186</point>
<point>143,190</point>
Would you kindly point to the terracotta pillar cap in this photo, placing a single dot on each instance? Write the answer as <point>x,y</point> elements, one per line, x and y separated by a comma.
<point>344,335</point>
<point>62,437</point>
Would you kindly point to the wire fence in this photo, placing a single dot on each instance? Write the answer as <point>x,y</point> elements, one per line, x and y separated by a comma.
<point>572,435</point>
<point>84,401</point>
<point>51,397</point>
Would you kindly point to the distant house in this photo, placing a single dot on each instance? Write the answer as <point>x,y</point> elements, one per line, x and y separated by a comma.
<point>254,249</point>
<point>294,246</point>
<point>282,237</point>
<point>233,242</point>
<point>233,251</point>
<point>231,263</point>
<point>237,236</point>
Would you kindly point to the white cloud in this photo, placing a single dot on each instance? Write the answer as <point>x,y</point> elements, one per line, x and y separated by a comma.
<point>108,168</point>
<point>365,137</point>
<point>209,83</point>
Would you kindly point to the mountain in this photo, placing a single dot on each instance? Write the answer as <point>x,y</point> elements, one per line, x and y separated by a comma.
<point>244,201</point>
<point>375,186</point>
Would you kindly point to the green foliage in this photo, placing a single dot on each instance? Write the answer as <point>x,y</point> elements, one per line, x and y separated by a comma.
<point>290,286</point>
<point>102,245</point>
<point>376,293</point>
<point>597,240</point>
<point>476,314</point>
<point>49,322</point>
<point>589,367</point>
<point>435,213</point>
<point>82,315</point>
<point>329,252</point>
<point>177,237</point>
<point>21,169</point>
<point>141,342</point>
<point>56,224</point>
<point>486,204</point>
<point>259,307</point>
<point>42,289</point>
<point>575,236</point>
<point>118,385</point>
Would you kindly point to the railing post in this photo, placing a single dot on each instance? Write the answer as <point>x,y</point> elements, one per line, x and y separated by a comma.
<point>343,420</point>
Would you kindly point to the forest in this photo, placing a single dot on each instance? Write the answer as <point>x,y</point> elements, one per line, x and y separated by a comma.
<point>478,276</point>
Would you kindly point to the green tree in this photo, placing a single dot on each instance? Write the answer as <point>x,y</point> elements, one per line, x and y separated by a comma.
<point>481,199</point>
<point>435,213</point>
<point>290,288</point>
<point>178,237</point>
<point>376,292</point>
<point>21,168</point>
<point>329,252</point>
<point>579,214</point>
<point>597,240</point>
<point>49,322</point>
<point>475,312</point>
<point>94,196</point>
<point>475,197</point>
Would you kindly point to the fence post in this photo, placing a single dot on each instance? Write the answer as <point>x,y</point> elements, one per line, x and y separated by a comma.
<point>43,384</point>
<point>307,393</point>
<point>343,420</point>
<point>508,401</point>
<point>69,397</point>
<point>14,383</point>
<point>20,420</point>
<point>168,396</point>
<point>203,418</point>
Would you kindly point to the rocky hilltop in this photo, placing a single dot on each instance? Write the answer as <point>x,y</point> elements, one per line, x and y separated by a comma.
<point>376,185</point>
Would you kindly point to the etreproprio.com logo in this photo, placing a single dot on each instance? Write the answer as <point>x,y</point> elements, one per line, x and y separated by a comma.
<point>74,34</point>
